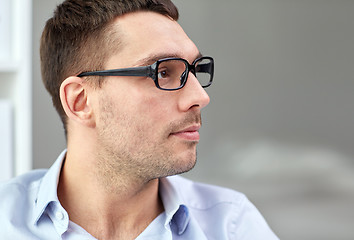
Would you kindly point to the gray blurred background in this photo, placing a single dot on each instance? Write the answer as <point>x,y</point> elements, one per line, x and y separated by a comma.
<point>280,124</point>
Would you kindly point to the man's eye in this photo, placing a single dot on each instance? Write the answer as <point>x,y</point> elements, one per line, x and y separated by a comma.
<point>163,74</point>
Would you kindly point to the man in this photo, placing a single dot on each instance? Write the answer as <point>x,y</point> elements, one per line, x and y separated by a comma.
<point>128,85</point>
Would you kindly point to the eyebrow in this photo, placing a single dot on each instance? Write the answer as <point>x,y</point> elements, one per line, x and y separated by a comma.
<point>154,57</point>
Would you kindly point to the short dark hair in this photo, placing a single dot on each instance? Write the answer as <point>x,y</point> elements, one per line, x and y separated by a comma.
<point>80,37</point>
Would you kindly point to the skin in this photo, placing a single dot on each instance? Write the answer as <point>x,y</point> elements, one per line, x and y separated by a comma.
<point>127,134</point>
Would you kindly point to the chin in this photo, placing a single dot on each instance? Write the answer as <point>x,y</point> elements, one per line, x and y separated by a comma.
<point>184,164</point>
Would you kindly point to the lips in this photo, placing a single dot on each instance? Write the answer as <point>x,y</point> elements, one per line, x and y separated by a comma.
<point>190,133</point>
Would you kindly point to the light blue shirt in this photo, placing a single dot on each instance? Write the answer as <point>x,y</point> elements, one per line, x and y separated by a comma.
<point>30,210</point>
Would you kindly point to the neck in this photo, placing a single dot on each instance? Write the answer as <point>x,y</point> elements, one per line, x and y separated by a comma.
<point>121,211</point>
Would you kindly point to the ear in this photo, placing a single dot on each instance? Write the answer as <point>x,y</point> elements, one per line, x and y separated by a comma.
<point>75,101</point>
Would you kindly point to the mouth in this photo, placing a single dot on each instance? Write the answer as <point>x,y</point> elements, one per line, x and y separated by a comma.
<point>190,133</point>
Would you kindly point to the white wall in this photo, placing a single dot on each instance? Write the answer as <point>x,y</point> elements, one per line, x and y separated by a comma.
<point>48,134</point>
<point>279,126</point>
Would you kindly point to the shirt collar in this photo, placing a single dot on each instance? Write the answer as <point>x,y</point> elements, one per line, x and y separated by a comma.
<point>177,214</point>
<point>47,191</point>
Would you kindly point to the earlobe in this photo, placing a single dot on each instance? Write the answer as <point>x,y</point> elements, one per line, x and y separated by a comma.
<point>75,101</point>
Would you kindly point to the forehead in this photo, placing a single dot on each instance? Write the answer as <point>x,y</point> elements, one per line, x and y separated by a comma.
<point>144,34</point>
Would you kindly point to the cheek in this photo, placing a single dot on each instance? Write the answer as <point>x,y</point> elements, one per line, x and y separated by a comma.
<point>156,109</point>
<point>139,110</point>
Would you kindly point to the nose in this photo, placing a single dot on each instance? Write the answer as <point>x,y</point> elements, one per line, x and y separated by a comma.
<point>193,95</point>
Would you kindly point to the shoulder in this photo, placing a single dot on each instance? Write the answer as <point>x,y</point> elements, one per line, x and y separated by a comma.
<point>23,180</point>
<point>221,211</point>
<point>201,195</point>
<point>19,188</point>
<point>17,202</point>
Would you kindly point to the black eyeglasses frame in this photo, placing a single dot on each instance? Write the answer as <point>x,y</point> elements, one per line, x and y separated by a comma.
<point>152,71</point>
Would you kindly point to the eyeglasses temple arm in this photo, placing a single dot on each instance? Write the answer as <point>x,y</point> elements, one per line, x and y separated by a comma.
<point>135,71</point>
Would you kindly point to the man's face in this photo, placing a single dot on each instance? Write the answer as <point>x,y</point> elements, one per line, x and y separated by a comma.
<point>143,131</point>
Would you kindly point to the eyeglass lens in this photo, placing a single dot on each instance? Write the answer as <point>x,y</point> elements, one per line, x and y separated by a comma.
<point>172,74</point>
<point>203,71</point>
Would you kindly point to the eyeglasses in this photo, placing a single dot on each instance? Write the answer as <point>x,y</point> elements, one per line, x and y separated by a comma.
<point>168,74</point>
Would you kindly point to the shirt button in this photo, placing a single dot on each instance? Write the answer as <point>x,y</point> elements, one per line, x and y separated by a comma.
<point>59,215</point>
